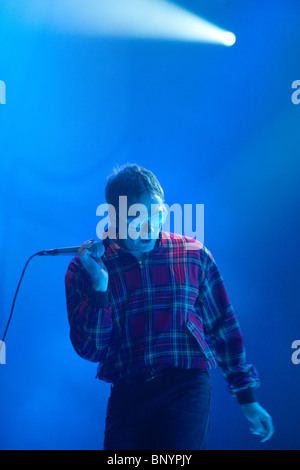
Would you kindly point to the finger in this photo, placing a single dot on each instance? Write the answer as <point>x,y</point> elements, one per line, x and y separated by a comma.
<point>257,428</point>
<point>83,251</point>
<point>88,242</point>
<point>257,432</point>
<point>99,250</point>
<point>263,428</point>
<point>269,429</point>
<point>85,246</point>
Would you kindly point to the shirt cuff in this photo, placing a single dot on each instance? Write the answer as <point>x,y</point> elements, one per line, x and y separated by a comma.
<point>99,299</point>
<point>246,396</point>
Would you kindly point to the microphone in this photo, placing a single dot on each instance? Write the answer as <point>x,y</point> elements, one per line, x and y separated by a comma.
<point>72,250</point>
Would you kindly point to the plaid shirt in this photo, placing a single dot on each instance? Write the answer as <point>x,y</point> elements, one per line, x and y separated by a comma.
<point>170,310</point>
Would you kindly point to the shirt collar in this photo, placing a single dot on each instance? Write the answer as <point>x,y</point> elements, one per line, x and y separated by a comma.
<point>112,247</point>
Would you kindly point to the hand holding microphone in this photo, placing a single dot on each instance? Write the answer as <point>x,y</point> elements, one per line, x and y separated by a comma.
<point>90,254</point>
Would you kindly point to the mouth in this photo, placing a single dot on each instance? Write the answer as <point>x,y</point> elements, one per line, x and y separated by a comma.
<point>147,241</point>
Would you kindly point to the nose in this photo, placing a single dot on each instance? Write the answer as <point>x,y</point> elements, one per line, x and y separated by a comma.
<point>147,229</point>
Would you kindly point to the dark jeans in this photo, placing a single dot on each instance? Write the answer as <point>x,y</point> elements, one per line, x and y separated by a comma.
<point>170,412</point>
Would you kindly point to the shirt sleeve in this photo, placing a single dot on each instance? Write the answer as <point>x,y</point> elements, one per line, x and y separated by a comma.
<point>89,314</point>
<point>224,334</point>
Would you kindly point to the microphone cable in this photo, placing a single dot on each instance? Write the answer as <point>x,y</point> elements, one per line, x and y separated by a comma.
<point>15,296</point>
<point>71,250</point>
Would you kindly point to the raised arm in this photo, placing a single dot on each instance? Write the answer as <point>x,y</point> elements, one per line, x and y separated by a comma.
<point>89,312</point>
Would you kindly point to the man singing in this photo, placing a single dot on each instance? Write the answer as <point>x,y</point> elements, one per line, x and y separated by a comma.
<point>155,315</point>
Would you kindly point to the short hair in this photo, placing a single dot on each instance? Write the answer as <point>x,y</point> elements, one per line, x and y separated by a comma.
<point>131,180</point>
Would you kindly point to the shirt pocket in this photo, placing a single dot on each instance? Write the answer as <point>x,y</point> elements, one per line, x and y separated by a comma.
<point>194,323</point>
<point>185,286</point>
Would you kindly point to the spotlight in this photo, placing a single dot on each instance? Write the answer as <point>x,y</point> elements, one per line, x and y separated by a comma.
<point>228,38</point>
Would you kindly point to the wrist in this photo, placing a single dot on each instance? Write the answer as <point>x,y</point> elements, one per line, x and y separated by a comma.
<point>249,406</point>
<point>246,396</point>
<point>99,285</point>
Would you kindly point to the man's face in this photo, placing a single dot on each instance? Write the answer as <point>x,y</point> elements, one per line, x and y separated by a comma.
<point>146,223</point>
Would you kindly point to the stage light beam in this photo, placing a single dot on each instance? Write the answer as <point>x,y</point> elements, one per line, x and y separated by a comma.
<point>140,19</point>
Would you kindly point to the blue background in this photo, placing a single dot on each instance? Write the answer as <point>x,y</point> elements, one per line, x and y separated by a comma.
<point>218,127</point>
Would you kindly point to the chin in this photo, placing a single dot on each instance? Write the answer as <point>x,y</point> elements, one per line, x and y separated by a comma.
<point>146,246</point>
